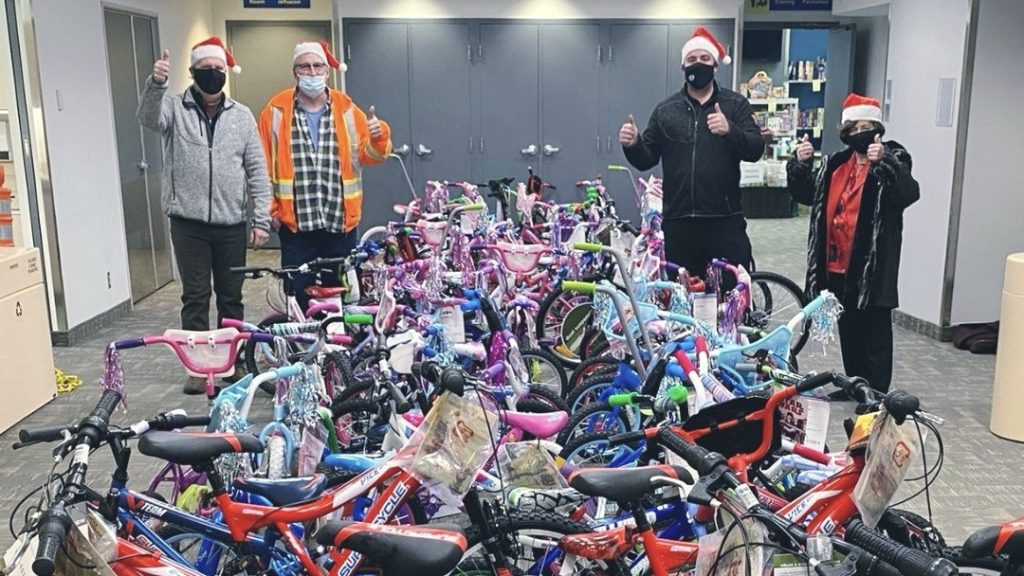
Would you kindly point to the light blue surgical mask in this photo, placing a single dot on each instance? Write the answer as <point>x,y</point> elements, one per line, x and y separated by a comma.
<point>312,86</point>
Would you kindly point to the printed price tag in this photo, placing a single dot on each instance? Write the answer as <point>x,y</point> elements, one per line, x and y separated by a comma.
<point>705,309</point>
<point>454,326</point>
<point>352,281</point>
<point>816,85</point>
<point>772,105</point>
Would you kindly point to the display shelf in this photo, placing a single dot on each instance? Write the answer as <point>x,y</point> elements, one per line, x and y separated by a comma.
<point>778,101</point>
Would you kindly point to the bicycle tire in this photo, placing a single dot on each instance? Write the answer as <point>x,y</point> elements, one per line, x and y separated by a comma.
<point>250,352</point>
<point>762,281</point>
<point>621,421</point>
<point>542,401</point>
<point>555,367</point>
<point>544,334</point>
<point>366,417</point>
<point>592,367</point>
<point>920,534</point>
<point>577,445</point>
<point>534,527</point>
<point>984,566</point>
<point>580,396</point>
<point>337,372</point>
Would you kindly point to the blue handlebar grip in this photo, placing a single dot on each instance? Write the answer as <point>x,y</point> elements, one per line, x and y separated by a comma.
<point>291,370</point>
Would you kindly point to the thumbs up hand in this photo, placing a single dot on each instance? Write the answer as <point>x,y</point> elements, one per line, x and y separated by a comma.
<point>373,123</point>
<point>717,122</point>
<point>876,149</point>
<point>162,68</point>
<point>628,133</point>
<point>804,150</point>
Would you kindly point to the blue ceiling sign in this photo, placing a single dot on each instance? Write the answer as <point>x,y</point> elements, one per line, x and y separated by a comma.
<point>275,3</point>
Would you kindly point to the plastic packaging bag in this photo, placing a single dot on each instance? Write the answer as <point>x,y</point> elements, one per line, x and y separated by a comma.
<point>891,449</point>
<point>529,465</point>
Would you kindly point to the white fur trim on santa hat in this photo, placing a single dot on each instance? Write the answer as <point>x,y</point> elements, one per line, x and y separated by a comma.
<point>314,48</point>
<point>702,43</point>
<point>212,51</point>
<point>861,112</point>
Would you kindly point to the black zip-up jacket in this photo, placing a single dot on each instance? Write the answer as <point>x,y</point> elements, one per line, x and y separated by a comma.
<point>701,170</point>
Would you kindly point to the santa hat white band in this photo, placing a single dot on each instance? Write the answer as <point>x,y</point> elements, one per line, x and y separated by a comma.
<point>862,112</point>
<point>208,51</point>
<point>702,43</point>
<point>317,49</point>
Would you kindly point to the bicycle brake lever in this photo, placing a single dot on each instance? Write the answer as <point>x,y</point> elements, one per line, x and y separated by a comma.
<point>929,417</point>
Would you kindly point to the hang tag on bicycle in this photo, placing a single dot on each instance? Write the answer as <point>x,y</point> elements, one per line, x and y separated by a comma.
<point>352,282</point>
<point>17,561</point>
<point>705,309</point>
<point>311,450</point>
<point>454,325</point>
<point>891,449</point>
<point>529,465</point>
<point>734,562</point>
<point>805,420</point>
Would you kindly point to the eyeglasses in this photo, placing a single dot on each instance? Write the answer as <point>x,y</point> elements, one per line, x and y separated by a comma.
<point>307,69</point>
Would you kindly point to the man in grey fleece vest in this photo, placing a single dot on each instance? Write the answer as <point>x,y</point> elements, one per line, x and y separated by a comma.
<point>213,163</point>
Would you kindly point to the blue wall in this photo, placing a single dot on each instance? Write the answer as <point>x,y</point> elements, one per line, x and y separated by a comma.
<point>808,44</point>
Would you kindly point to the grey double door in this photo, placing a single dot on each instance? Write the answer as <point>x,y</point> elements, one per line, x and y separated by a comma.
<point>480,100</point>
<point>131,51</point>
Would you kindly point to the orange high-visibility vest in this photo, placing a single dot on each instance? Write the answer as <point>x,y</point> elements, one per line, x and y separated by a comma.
<point>355,150</point>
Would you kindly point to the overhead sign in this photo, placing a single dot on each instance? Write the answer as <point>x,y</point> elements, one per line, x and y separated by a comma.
<point>789,5</point>
<point>275,3</point>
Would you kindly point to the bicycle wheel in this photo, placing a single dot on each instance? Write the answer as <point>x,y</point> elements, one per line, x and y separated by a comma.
<point>531,546</point>
<point>563,311</point>
<point>361,424</point>
<point>774,300</point>
<point>256,361</point>
<point>592,451</point>
<point>208,556</point>
<point>545,370</point>
<point>592,367</point>
<point>588,391</point>
<point>984,566</point>
<point>598,417</point>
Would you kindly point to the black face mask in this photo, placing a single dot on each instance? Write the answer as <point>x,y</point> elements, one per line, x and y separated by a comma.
<point>699,75</point>
<point>860,141</point>
<point>209,80</point>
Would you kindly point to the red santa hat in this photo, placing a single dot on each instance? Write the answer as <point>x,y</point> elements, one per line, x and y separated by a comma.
<point>321,49</point>
<point>702,39</point>
<point>857,107</point>
<point>213,47</point>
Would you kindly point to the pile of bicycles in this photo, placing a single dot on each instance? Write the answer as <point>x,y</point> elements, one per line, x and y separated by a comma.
<point>498,384</point>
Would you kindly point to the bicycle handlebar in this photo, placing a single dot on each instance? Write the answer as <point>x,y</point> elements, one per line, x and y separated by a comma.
<point>906,560</point>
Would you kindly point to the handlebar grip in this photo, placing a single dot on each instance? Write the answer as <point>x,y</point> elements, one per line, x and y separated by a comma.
<point>429,371</point>
<point>168,422</point>
<point>262,337</point>
<point>402,404</point>
<point>53,529</point>
<point>588,247</point>
<point>291,370</point>
<point>624,399</point>
<point>678,395</point>
<point>856,388</point>
<point>698,458</point>
<point>46,434</point>
<point>617,167</point>
<point>291,328</point>
<point>580,287</point>
<point>359,319</point>
<point>129,343</point>
<point>627,437</point>
<point>901,404</point>
<point>815,381</point>
<point>470,305</point>
<point>905,560</point>
<point>105,407</point>
<point>474,207</point>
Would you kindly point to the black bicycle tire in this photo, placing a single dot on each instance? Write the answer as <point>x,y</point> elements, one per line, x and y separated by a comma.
<point>992,565</point>
<point>583,370</point>
<point>545,397</point>
<point>565,436</point>
<point>542,311</point>
<point>573,398</point>
<point>250,352</point>
<point>552,359</point>
<point>793,288</point>
<point>339,409</point>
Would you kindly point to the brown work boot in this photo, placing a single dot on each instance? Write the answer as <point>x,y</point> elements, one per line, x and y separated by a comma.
<point>195,385</point>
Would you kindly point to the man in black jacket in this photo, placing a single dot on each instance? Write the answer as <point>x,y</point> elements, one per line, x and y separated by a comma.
<point>700,134</point>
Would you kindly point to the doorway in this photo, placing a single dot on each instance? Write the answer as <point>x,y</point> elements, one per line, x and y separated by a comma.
<point>131,51</point>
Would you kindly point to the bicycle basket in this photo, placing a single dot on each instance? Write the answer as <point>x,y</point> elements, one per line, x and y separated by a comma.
<point>521,258</point>
<point>203,353</point>
<point>432,232</point>
<point>742,438</point>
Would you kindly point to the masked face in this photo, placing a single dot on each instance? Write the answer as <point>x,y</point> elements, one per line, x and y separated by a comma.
<point>312,86</point>
<point>699,74</point>
<point>860,141</point>
<point>209,80</point>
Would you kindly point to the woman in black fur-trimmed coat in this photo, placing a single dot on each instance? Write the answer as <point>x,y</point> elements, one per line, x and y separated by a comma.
<point>857,199</point>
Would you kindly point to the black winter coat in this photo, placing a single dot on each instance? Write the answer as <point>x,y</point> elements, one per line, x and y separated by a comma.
<point>873,275</point>
<point>701,170</point>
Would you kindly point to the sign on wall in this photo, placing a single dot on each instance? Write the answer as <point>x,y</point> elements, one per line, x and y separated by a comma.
<point>275,3</point>
<point>787,5</point>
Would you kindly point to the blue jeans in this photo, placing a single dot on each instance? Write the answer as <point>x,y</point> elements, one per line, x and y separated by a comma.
<point>301,247</point>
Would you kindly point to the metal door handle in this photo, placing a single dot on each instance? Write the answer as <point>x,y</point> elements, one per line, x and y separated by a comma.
<point>402,150</point>
<point>550,150</point>
<point>422,150</point>
<point>530,150</point>
<point>143,165</point>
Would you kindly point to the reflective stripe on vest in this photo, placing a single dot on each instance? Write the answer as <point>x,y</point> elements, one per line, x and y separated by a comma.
<point>353,187</point>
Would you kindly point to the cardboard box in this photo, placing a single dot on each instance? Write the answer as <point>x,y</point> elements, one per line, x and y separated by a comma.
<point>19,269</point>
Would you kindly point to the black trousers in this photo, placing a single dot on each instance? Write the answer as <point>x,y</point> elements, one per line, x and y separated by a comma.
<point>865,337</point>
<point>302,247</point>
<point>693,242</point>
<point>203,249</point>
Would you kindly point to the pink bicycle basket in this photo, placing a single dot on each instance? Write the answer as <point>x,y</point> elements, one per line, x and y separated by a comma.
<point>521,258</point>
<point>432,232</point>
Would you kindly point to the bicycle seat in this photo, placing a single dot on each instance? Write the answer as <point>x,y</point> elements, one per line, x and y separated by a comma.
<point>538,425</point>
<point>196,449</point>
<point>432,551</point>
<point>1006,539</point>
<point>624,484</point>
<point>284,491</point>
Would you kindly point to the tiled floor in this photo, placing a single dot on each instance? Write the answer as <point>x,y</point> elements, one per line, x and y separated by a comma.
<point>980,484</point>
